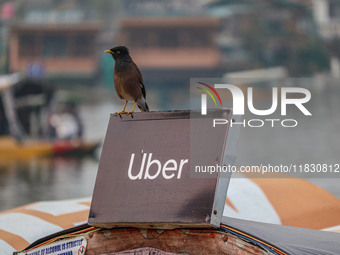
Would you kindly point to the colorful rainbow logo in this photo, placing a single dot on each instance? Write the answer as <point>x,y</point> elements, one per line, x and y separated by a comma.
<point>209,93</point>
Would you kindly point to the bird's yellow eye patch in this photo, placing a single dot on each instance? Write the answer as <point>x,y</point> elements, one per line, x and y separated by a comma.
<point>118,52</point>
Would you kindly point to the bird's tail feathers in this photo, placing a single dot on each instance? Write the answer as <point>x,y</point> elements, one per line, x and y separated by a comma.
<point>142,105</point>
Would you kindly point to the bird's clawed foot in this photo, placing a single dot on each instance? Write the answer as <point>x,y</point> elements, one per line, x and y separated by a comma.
<point>130,113</point>
<point>119,113</point>
<point>124,112</point>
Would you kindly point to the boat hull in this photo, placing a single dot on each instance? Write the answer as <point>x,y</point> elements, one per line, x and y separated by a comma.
<point>11,148</point>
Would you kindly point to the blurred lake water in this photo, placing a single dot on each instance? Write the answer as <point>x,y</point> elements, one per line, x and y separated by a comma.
<point>315,140</point>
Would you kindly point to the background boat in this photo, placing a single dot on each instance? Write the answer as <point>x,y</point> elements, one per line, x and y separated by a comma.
<point>34,123</point>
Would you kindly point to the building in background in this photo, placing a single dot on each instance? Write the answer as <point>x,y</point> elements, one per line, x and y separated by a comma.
<point>327,17</point>
<point>262,34</point>
<point>65,51</point>
<point>171,47</point>
<point>174,40</point>
<point>55,40</point>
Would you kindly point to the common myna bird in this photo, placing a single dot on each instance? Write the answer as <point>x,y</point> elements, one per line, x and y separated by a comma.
<point>128,79</point>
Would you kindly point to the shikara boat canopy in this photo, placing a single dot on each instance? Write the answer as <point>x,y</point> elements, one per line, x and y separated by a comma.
<point>31,225</point>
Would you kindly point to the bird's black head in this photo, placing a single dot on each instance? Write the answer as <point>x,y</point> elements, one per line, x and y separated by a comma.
<point>118,52</point>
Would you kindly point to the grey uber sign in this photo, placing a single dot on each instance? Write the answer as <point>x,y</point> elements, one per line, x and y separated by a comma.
<point>145,176</point>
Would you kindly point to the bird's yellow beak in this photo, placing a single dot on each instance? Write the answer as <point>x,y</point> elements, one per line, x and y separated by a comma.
<point>108,51</point>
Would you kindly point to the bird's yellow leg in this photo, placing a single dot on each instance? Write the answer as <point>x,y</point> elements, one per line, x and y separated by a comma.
<point>124,106</point>
<point>123,111</point>
<point>133,108</point>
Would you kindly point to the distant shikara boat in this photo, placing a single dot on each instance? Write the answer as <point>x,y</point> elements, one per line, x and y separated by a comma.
<point>11,148</point>
<point>26,107</point>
